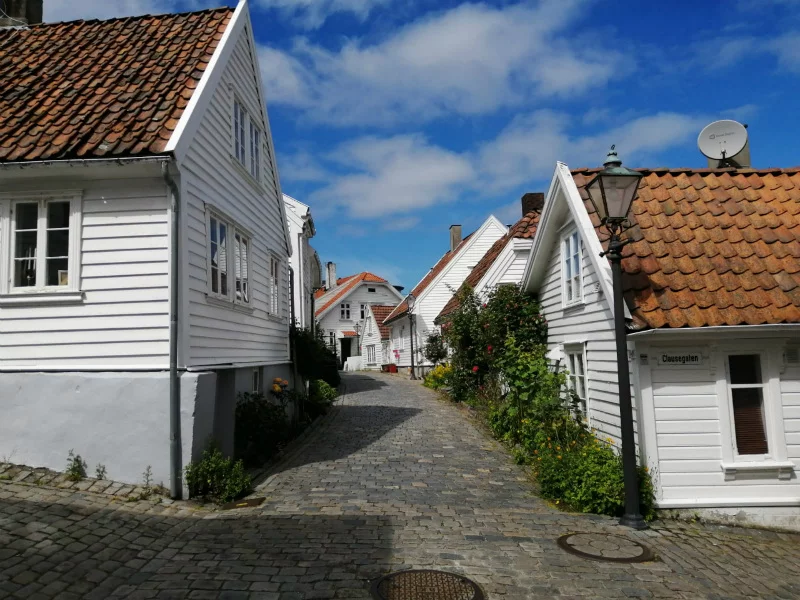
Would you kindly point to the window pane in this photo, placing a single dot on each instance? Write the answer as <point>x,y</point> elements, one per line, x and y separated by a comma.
<point>213,226</point>
<point>24,273</point>
<point>26,245</point>
<point>57,214</point>
<point>748,417</point>
<point>27,215</point>
<point>223,259</point>
<point>214,280</point>
<point>58,242</point>
<point>57,271</point>
<point>237,256</point>
<point>745,368</point>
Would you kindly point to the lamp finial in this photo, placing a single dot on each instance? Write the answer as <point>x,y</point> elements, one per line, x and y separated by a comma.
<point>612,159</point>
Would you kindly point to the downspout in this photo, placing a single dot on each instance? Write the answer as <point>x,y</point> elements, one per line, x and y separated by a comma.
<point>175,466</point>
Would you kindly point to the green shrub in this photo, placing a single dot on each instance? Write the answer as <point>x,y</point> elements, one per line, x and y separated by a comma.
<point>320,398</point>
<point>261,428</point>
<point>435,350</point>
<point>438,377</point>
<point>217,478</point>
<point>313,357</point>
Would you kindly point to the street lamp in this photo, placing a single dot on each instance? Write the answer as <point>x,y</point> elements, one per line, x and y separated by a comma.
<point>358,339</point>
<point>410,301</point>
<point>612,192</point>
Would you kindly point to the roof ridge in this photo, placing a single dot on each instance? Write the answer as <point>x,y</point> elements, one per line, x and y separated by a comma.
<point>129,17</point>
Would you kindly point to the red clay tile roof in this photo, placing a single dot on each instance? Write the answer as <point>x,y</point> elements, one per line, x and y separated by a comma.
<point>402,308</point>
<point>89,89</point>
<point>711,247</point>
<point>525,228</point>
<point>349,334</point>
<point>331,296</point>
<point>381,311</point>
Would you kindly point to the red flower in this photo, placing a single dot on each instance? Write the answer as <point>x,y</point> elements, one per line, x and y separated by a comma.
<point>484,305</point>
<point>488,348</point>
<point>475,369</point>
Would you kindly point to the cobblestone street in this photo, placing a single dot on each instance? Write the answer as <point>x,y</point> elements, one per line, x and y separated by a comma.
<point>392,479</point>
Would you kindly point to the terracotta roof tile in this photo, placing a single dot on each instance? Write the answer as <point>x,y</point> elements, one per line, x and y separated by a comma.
<point>90,89</point>
<point>381,311</point>
<point>345,286</point>
<point>712,247</point>
<point>525,228</point>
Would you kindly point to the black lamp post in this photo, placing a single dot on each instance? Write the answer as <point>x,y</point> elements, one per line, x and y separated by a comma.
<point>612,192</point>
<point>358,339</point>
<point>410,300</point>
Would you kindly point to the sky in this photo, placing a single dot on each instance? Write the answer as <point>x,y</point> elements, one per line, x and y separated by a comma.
<point>394,119</point>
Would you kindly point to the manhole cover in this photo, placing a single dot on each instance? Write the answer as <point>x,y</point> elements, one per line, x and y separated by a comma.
<point>603,546</point>
<point>425,585</point>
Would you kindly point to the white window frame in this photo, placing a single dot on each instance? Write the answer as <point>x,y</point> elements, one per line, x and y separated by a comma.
<point>274,286</point>
<point>776,464</point>
<point>574,283</point>
<point>240,120</point>
<point>363,311</point>
<point>344,311</point>
<point>232,232</point>
<point>41,292</point>
<point>255,139</point>
<point>371,360</point>
<point>575,354</point>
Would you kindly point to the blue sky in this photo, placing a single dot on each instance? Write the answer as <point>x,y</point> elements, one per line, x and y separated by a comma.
<point>394,119</point>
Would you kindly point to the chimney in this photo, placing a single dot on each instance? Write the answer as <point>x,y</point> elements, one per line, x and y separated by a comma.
<point>331,281</point>
<point>18,13</point>
<point>455,236</point>
<point>532,202</point>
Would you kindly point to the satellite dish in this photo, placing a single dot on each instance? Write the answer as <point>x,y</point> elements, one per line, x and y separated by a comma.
<point>722,139</point>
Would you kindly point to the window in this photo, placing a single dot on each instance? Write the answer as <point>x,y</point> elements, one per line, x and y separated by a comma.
<point>255,151</point>
<point>577,375</point>
<point>371,290</point>
<point>44,235</point>
<point>239,118</point>
<point>228,251</point>
<point>363,311</point>
<point>332,338</point>
<point>345,311</point>
<point>371,354</point>
<point>274,286</point>
<point>571,263</point>
<point>241,252</point>
<point>746,389</point>
<point>256,381</point>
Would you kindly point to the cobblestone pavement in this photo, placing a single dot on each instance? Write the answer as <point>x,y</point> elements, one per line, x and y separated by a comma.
<point>392,479</point>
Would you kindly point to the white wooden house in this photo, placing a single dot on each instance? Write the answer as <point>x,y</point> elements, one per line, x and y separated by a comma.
<point>305,266</point>
<point>342,310</point>
<point>435,289</point>
<point>140,219</point>
<point>504,262</point>
<point>712,288</point>
<point>375,340</point>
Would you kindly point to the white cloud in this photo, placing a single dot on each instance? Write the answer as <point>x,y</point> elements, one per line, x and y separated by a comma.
<point>400,224</point>
<point>310,14</point>
<point>470,60</point>
<point>71,10</point>
<point>787,49</point>
<point>394,175</point>
<point>301,166</point>
<point>528,148</point>
<point>403,175</point>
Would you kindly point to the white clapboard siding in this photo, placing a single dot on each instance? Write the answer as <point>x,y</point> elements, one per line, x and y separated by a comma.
<point>590,323</point>
<point>438,293</point>
<point>210,175</point>
<point>332,320</point>
<point>124,318</point>
<point>372,337</point>
<point>790,397</point>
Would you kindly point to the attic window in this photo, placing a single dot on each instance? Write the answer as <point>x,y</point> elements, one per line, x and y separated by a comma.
<point>371,290</point>
<point>571,272</point>
<point>247,140</point>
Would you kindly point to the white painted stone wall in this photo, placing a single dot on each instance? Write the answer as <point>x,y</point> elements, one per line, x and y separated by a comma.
<point>118,420</point>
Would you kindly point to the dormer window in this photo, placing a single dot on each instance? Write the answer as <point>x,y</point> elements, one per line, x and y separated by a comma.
<point>371,290</point>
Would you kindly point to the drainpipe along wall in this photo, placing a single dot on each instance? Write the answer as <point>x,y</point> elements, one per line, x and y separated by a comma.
<point>175,484</point>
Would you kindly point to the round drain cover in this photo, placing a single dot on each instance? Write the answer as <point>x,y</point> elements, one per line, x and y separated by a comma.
<point>425,584</point>
<point>603,546</point>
